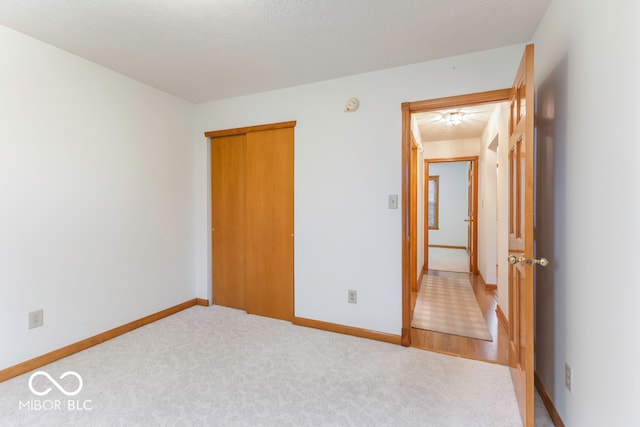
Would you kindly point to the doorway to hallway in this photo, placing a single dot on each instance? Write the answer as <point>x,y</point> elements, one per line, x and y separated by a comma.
<point>451,218</point>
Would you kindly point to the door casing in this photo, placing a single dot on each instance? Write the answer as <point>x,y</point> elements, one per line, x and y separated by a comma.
<point>473,258</point>
<point>408,222</point>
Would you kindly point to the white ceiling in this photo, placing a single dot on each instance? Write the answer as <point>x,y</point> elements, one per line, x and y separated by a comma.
<point>433,127</point>
<point>203,50</point>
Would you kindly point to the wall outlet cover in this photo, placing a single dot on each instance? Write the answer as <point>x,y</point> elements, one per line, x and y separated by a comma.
<point>352,296</point>
<point>36,319</point>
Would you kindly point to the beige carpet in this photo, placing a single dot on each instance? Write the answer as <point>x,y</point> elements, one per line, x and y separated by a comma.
<point>214,366</point>
<point>447,304</point>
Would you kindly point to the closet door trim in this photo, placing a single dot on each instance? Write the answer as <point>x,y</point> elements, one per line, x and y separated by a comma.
<point>249,129</point>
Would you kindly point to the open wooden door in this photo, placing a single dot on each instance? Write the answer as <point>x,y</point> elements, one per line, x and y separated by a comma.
<point>521,217</point>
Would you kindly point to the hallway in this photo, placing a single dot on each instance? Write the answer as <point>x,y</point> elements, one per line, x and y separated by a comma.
<point>489,351</point>
<point>448,259</point>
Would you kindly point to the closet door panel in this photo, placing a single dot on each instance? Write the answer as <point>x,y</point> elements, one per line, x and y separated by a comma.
<point>269,223</point>
<point>228,185</point>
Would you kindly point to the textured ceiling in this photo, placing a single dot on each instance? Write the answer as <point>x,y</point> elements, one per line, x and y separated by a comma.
<point>203,50</point>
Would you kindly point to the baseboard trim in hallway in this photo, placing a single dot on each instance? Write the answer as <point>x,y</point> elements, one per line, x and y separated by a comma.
<point>45,359</point>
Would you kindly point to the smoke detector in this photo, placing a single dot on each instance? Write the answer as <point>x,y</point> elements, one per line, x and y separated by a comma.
<point>352,105</point>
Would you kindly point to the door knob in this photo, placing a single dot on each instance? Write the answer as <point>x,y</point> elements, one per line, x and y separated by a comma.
<point>514,259</point>
<point>542,262</point>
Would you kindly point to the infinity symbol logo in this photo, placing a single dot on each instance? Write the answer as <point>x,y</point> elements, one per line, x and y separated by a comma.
<point>55,383</point>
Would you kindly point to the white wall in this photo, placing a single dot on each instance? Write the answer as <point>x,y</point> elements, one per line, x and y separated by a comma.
<point>487,213</point>
<point>452,205</point>
<point>96,185</point>
<point>597,330</point>
<point>447,149</point>
<point>493,203</point>
<point>346,164</point>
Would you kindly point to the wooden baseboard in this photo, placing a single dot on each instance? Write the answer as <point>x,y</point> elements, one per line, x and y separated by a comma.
<point>422,273</point>
<point>447,247</point>
<point>548,403</point>
<point>347,330</point>
<point>502,318</point>
<point>405,338</point>
<point>488,286</point>
<point>202,302</point>
<point>45,359</point>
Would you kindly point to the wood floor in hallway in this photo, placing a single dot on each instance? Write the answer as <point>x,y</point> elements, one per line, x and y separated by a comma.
<point>495,351</point>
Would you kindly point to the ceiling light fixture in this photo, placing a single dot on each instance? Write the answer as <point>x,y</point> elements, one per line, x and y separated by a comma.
<point>454,118</point>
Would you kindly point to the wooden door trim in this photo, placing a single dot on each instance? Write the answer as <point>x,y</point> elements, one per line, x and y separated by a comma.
<point>452,159</point>
<point>487,97</point>
<point>409,108</point>
<point>476,221</point>
<point>406,224</point>
<point>413,260</point>
<point>249,129</point>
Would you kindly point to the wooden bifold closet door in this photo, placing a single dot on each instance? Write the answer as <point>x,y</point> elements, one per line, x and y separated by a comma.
<point>252,219</point>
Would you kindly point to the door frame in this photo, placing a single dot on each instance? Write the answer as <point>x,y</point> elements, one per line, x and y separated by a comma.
<point>474,202</point>
<point>408,185</point>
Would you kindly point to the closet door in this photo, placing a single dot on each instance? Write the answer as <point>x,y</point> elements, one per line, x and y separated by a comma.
<point>269,223</point>
<point>228,171</point>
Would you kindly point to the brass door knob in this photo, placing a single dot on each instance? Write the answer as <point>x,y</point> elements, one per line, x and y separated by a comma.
<point>514,259</point>
<point>542,262</point>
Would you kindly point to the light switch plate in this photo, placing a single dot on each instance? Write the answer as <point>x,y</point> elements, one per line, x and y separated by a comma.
<point>393,201</point>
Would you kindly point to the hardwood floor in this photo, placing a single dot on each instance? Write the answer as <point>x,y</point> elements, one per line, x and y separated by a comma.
<point>495,351</point>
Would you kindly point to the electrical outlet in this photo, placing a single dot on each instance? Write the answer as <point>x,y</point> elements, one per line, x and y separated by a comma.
<point>568,377</point>
<point>36,319</point>
<point>352,296</point>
